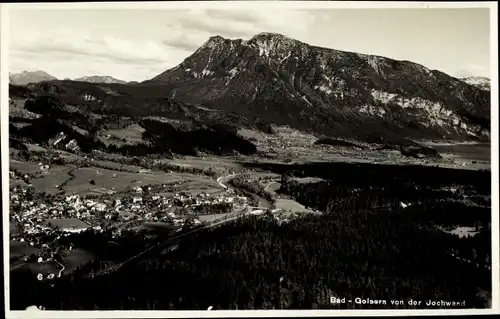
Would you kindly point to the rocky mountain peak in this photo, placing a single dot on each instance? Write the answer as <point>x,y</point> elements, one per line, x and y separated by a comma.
<point>27,77</point>
<point>271,44</point>
<point>293,83</point>
<point>269,36</point>
<point>213,42</point>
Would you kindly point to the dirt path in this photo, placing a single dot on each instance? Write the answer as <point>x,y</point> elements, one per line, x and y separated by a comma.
<point>71,177</point>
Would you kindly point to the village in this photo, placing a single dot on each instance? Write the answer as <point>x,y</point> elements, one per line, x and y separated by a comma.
<point>40,222</point>
<point>76,214</point>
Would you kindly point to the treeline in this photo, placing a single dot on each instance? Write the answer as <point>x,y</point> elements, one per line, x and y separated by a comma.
<point>384,175</point>
<point>213,209</point>
<point>336,142</point>
<point>139,149</point>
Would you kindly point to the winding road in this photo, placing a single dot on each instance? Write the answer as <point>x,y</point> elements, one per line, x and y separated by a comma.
<point>268,185</point>
<point>224,179</point>
<point>62,268</point>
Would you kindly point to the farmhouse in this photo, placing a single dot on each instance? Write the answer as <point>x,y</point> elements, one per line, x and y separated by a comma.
<point>70,225</point>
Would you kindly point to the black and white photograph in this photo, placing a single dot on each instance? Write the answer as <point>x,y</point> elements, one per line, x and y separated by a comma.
<point>260,155</point>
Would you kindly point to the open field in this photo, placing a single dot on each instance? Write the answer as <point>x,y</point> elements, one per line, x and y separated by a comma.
<point>272,186</point>
<point>291,205</point>
<point>207,218</point>
<point>131,134</point>
<point>66,223</point>
<point>35,148</point>
<point>55,177</point>
<point>219,164</point>
<point>16,182</point>
<point>104,178</point>
<point>24,167</point>
<point>109,177</point>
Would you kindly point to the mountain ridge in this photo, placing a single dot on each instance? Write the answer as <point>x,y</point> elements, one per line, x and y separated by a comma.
<point>27,77</point>
<point>99,79</point>
<point>34,77</point>
<point>335,91</point>
<point>481,82</point>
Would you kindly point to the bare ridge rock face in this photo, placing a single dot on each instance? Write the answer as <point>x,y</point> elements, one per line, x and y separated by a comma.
<point>337,93</point>
<point>480,82</point>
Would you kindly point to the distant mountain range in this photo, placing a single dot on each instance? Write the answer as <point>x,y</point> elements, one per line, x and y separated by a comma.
<point>27,77</point>
<point>332,92</point>
<point>481,82</point>
<point>100,79</point>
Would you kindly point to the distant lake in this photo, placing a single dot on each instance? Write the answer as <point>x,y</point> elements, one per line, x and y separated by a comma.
<point>474,152</point>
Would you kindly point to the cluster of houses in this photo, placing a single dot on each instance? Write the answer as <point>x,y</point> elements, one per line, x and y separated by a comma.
<point>74,214</point>
<point>174,208</point>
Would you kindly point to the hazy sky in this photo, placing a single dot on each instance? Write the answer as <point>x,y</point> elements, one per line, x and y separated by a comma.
<point>139,44</point>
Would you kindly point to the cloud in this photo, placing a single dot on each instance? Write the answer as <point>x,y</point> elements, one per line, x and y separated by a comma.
<point>474,70</point>
<point>83,45</point>
<point>182,39</point>
<point>66,53</point>
<point>189,29</point>
<point>239,23</point>
<point>201,21</point>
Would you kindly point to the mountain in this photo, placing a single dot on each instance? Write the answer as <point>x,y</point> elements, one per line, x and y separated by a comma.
<point>27,77</point>
<point>481,82</point>
<point>100,79</point>
<point>327,91</point>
